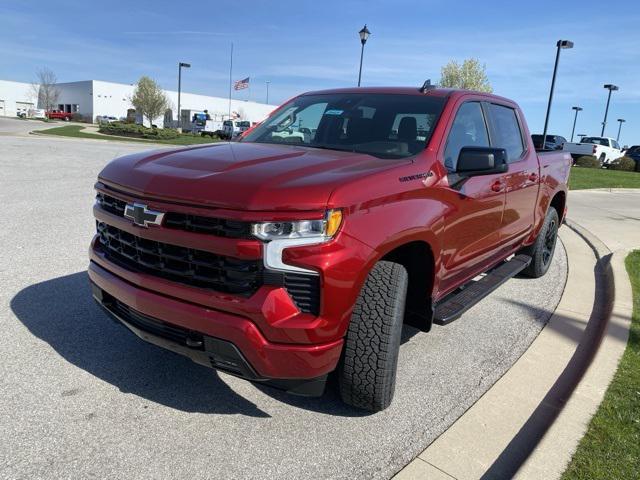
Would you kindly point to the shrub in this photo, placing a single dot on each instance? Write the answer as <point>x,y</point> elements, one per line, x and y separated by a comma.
<point>78,117</point>
<point>626,164</point>
<point>161,133</point>
<point>137,131</point>
<point>588,161</point>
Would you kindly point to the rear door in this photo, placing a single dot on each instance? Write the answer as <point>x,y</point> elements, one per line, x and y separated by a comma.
<point>474,216</point>
<point>522,181</point>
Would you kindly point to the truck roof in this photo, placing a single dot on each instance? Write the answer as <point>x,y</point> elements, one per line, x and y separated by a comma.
<point>438,92</point>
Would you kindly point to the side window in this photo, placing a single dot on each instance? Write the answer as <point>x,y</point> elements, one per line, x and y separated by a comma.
<point>507,131</point>
<point>615,144</point>
<point>468,130</point>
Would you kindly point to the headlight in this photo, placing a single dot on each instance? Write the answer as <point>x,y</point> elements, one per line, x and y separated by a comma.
<point>322,230</point>
<point>280,235</point>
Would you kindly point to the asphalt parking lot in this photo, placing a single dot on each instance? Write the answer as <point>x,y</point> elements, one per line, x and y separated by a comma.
<point>81,397</point>
<point>13,126</point>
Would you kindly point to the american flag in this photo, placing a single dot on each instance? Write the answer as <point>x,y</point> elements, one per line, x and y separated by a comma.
<point>241,84</point>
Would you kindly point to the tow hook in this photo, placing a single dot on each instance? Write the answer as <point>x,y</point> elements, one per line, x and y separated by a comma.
<point>194,342</point>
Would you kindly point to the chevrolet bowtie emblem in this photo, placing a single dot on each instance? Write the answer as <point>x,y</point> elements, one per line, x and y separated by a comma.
<point>141,215</point>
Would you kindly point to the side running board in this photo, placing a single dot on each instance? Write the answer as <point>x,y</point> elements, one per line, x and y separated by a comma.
<point>455,304</point>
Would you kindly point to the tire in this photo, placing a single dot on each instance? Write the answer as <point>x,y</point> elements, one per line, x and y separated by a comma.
<point>367,373</point>
<point>602,159</point>
<point>543,248</point>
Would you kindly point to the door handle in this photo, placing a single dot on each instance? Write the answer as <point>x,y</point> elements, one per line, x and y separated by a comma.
<point>497,186</point>
<point>533,177</point>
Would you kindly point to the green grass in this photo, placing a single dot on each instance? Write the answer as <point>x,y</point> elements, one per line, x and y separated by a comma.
<point>581,178</point>
<point>76,131</point>
<point>611,446</point>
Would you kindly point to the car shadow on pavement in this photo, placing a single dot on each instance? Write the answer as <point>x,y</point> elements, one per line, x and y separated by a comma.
<point>63,313</point>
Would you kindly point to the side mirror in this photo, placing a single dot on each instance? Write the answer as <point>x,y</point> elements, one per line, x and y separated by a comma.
<point>474,161</point>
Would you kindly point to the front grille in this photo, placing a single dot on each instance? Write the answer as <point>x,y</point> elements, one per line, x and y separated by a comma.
<point>220,227</point>
<point>303,288</point>
<point>180,264</point>
<point>213,226</point>
<point>154,326</point>
<point>111,204</point>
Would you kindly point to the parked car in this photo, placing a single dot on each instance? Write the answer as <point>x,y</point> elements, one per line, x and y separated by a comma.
<point>59,115</point>
<point>552,142</point>
<point>283,259</point>
<point>107,119</point>
<point>603,148</point>
<point>38,113</point>
<point>213,127</point>
<point>634,153</point>
<point>233,128</point>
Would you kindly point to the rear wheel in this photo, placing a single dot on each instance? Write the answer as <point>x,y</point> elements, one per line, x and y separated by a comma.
<point>543,248</point>
<point>367,374</point>
<point>602,159</point>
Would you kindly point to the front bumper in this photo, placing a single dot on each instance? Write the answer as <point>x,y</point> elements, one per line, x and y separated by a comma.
<point>213,338</point>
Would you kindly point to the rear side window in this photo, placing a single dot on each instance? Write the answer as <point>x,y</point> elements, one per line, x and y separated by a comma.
<point>507,131</point>
<point>468,130</point>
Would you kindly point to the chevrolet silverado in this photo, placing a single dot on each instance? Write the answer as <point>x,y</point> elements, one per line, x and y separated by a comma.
<point>302,248</point>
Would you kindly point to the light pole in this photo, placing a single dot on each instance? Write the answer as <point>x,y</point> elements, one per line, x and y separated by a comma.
<point>575,119</point>
<point>561,44</point>
<point>364,35</point>
<point>180,66</point>
<point>621,120</point>
<point>267,102</point>
<point>611,88</point>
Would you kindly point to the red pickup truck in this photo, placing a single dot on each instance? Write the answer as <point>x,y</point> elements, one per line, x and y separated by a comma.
<point>303,248</point>
<point>59,115</point>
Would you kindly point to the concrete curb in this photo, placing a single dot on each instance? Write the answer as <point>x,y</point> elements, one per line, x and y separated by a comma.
<point>529,423</point>
<point>555,450</point>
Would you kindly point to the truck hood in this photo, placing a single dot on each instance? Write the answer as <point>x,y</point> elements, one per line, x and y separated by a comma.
<point>243,176</point>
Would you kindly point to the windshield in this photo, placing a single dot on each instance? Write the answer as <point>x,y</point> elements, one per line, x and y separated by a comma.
<point>595,140</point>
<point>243,124</point>
<point>382,125</point>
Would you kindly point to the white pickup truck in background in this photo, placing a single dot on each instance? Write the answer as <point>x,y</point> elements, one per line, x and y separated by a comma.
<point>603,148</point>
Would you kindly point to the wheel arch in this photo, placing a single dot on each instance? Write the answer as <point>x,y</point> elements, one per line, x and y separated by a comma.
<point>559,202</point>
<point>417,257</point>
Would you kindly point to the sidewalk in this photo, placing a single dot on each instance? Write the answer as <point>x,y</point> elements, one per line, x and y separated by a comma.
<point>495,437</point>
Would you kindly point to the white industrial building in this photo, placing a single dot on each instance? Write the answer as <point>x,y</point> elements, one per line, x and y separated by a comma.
<point>92,98</point>
<point>15,97</point>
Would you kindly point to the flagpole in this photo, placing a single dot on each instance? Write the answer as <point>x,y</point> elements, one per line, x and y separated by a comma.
<point>230,79</point>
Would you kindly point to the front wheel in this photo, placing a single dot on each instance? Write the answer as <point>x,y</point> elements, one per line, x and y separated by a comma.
<point>367,373</point>
<point>543,248</point>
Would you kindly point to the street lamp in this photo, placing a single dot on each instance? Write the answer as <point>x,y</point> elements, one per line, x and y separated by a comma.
<point>180,66</point>
<point>364,35</point>
<point>611,88</point>
<point>575,119</point>
<point>621,120</point>
<point>561,44</point>
<point>267,102</point>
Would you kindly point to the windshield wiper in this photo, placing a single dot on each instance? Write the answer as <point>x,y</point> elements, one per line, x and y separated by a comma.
<point>327,147</point>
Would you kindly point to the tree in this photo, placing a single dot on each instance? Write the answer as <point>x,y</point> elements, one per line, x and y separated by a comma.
<point>471,75</point>
<point>45,89</point>
<point>149,99</point>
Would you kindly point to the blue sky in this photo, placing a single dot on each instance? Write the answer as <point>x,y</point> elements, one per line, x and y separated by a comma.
<point>300,46</point>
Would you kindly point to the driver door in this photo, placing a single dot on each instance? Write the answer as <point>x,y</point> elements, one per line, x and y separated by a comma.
<point>474,206</point>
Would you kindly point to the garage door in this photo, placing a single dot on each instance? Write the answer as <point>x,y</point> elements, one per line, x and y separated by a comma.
<point>23,107</point>
<point>2,112</point>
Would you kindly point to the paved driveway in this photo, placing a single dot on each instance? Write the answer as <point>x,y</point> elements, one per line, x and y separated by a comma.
<point>612,215</point>
<point>15,126</point>
<point>80,397</point>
